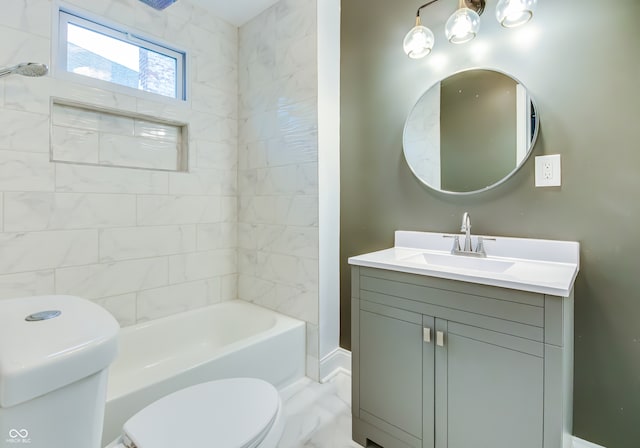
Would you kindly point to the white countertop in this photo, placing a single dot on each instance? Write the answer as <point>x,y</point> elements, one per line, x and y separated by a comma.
<point>540,266</point>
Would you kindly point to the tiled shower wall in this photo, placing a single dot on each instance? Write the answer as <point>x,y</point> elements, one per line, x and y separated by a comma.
<point>278,165</point>
<point>143,243</point>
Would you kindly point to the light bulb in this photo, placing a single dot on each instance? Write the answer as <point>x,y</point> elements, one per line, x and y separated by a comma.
<point>512,13</point>
<point>418,42</point>
<point>462,26</point>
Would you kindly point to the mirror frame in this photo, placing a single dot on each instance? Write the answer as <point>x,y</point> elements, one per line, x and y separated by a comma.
<point>534,137</point>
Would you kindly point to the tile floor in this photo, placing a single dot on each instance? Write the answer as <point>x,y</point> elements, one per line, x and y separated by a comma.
<point>318,415</point>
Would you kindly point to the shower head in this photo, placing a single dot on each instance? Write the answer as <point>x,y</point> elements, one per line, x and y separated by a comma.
<point>25,69</point>
<point>159,4</point>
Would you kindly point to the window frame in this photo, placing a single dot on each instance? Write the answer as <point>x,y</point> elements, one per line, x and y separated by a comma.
<point>66,16</point>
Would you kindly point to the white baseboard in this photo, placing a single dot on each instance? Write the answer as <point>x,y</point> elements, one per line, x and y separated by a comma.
<point>579,443</point>
<point>338,360</point>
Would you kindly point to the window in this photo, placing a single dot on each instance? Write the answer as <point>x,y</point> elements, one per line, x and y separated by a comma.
<point>101,52</point>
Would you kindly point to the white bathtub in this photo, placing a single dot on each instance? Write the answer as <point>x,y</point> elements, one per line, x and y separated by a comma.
<point>230,339</point>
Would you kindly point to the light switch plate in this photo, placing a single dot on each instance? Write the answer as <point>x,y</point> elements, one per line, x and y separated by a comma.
<point>548,171</point>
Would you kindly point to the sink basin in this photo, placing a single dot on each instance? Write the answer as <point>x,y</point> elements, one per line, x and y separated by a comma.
<point>460,262</point>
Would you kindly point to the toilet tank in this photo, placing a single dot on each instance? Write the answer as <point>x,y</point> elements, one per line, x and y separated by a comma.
<point>54,355</point>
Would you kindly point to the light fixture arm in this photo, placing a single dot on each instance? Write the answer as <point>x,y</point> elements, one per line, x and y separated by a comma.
<point>475,5</point>
<point>423,6</point>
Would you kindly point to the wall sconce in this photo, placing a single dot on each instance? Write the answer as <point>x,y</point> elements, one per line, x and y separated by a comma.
<point>464,23</point>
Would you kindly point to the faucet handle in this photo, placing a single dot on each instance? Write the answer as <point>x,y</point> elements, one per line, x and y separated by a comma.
<point>456,242</point>
<point>480,245</point>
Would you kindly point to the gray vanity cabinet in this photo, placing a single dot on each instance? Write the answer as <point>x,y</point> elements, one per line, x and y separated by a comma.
<point>446,364</point>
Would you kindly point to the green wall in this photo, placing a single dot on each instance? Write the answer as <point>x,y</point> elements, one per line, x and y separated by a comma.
<point>581,63</point>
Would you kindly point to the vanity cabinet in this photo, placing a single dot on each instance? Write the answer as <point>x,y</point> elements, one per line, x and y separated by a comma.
<point>448,364</point>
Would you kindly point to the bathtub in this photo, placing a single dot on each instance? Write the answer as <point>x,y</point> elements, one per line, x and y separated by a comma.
<point>230,339</point>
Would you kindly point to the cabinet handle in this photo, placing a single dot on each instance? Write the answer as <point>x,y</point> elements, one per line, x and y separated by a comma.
<point>439,338</point>
<point>426,334</point>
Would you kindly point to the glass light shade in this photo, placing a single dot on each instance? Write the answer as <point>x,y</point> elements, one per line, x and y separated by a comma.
<point>512,13</point>
<point>418,42</point>
<point>462,26</point>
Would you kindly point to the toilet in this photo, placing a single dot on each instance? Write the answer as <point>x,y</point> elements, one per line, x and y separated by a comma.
<point>54,356</point>
<point>229,413</point>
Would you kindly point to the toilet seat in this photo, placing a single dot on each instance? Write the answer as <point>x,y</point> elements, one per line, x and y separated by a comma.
<point>230,413</point>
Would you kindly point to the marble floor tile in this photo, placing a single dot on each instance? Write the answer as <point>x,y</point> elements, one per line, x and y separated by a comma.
<point>318,415</point>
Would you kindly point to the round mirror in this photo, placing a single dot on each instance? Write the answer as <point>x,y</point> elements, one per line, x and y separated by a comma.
<point>470,132</point>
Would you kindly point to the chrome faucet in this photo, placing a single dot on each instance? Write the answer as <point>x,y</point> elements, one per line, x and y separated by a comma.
<point>467,248</point>
<point>466,228</point>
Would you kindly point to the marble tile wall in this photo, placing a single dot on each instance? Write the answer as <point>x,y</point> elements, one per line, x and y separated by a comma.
<point>142,243</point>
<point>278,165</point>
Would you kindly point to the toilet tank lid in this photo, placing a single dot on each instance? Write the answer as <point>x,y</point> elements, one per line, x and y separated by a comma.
<point>229,413</point>
<point>42,350</point>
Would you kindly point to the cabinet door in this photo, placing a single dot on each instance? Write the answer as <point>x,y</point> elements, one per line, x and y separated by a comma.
<point>391,370</point>
<point>489,389</point>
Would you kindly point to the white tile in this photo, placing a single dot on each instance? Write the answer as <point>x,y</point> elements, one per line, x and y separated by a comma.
<point>212,127</point>
<point>93,96</point>
<point>210,182</point>
<point>277,267</point>
<point>297,241</point>
<point>92,120</point>
<point>160,131</point>
<point>204,69</point>
<point>300,211</point>
<point>98,179</point>
<point>296,54</point>
<point>144,242</point>
<point>122,307</point>
<point>75,145</point>
<point>316,414</point>
<point>262,209</point>
<point>220,235</point>
<point>252,154</point>
<point>28,94</point>
<point>34,251</point>
<point>152,21</point>
<point>297,301</point>
<point>256,290</point>
<point>24,131</point>
<point>159,210</point>
<point>168,110</point>
<point>247,263</point>
<point>138,152</point>
<point>313,343</point>
<point>52,211</point>
<point>229,287</point>
<point>160,302</point>
<point>210,99</point>
<point>307,178</point>
<point>200,265</point>
<point>215,155</point>
<point>103,280</point>
<point>277,180</point>
<point>294,21</point>
<point>228,208</point>
<point>26,284</point>
<point>24,46</point>
<point>312,367</point>
<point>33,16</point>
<point>22,171</point>
<point>301,85</point>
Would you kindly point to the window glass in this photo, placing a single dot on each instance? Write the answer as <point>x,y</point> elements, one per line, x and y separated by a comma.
<point>115,56</point>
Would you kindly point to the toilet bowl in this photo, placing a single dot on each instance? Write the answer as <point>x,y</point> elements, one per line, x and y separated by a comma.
<point>229,413</point>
